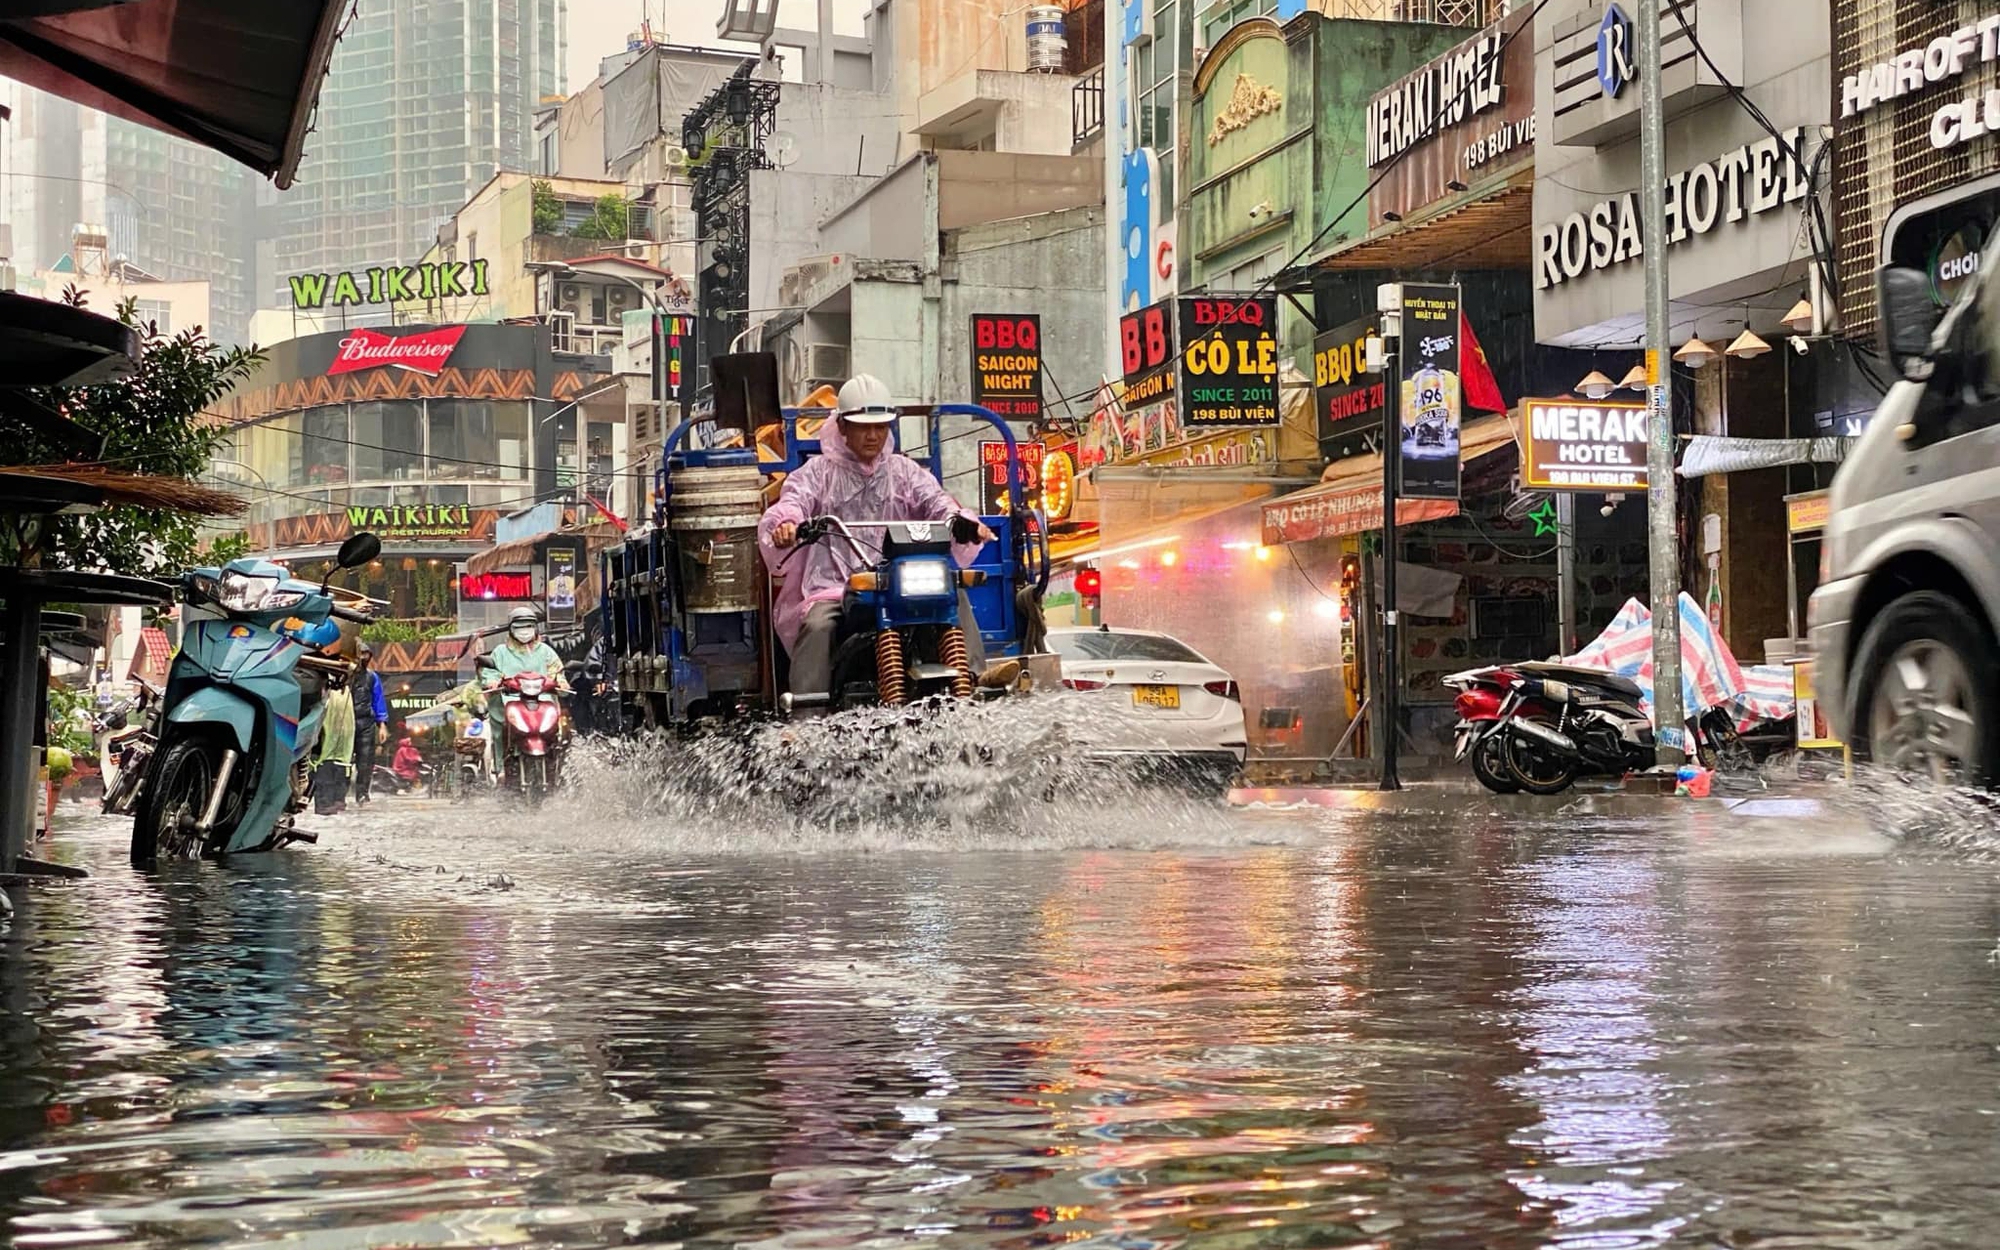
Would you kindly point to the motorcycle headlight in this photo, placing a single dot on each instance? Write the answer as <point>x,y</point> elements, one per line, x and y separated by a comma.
<point>923,579</point>
<point>239,593</point>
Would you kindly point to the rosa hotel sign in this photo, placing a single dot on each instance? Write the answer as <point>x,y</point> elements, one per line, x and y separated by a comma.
<point>1740,184</point>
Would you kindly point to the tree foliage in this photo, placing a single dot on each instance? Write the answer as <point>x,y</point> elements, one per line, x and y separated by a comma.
<point>152,422</point>
<point>548,208</point>
<point>607,219</point>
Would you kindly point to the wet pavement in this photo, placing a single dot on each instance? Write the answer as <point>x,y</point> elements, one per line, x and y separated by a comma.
<point>1106,1021</point>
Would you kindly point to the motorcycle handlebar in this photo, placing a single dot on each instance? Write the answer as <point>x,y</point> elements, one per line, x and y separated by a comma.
<point>349,614</point>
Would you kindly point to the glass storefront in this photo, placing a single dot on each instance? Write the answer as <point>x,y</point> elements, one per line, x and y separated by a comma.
<point>443,451</point>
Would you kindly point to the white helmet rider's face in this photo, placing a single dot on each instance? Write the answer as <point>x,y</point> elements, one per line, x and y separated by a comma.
<point>523,631</point>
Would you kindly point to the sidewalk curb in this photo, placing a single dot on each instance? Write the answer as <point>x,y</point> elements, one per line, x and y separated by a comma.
<point>1433,799</point>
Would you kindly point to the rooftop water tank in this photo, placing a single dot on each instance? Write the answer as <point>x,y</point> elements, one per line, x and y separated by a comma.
<point>1047,41</point>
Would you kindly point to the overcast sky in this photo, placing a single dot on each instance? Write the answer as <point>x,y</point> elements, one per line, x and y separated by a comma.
<point>597,28</point>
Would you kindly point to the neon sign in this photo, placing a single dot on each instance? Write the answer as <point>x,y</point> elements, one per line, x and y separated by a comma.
<point>496,586</point>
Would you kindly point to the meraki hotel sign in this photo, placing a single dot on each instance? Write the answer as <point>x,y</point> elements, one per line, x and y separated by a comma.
<point>385,284</point>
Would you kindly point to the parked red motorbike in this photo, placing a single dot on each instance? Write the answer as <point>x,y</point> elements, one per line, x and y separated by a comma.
<point>535,739</point>
<point>1484,705</point>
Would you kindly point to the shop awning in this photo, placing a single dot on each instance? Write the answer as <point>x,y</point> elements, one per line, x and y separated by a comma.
<point>507,555</point>
<point>1495,231</point>
<point>239,76</point>
<point>1348,499</point>
<point>1709,453</point>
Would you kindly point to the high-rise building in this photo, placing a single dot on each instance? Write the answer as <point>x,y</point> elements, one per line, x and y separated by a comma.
<point>170,208</point>
<point>424,101</point>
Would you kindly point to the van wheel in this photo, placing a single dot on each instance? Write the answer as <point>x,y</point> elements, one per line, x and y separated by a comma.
<point>1925,702</point>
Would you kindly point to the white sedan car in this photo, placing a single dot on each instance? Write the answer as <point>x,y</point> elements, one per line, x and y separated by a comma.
<point>1165,707</point>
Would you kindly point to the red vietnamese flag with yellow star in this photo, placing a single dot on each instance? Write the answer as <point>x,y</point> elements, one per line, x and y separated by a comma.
<point>1481,390</point>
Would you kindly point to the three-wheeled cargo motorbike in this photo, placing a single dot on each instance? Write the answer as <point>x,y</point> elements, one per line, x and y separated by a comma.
<point>687,602</point>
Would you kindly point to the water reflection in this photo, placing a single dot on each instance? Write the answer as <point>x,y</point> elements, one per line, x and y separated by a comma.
<point>1376,1033</point>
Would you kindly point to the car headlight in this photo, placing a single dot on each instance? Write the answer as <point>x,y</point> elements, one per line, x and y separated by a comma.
<point>239,593</point>
<point>923,579</point>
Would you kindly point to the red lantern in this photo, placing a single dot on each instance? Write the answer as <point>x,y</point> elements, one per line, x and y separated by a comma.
<point>1089,583</point>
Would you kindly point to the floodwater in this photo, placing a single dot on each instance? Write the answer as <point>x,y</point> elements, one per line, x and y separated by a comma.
<point>1111,1021</point>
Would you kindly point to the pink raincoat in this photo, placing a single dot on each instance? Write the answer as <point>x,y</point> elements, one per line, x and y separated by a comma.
<point>836,483</point>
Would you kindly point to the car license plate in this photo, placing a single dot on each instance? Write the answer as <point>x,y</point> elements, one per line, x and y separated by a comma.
<point>1156,696</point>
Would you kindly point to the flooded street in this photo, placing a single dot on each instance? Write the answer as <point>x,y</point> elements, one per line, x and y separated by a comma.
<point>602,1026</point>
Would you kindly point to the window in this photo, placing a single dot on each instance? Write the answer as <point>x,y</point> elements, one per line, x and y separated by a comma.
<point>551,152</point>
<point>325,446</point>
<point>388,441</point>
<point>1251,274</point>
<point>157,311</point>
<point>1102,645</point>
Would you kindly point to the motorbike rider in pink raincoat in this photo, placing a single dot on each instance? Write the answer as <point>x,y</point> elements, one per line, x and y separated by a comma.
<point>856,478</point>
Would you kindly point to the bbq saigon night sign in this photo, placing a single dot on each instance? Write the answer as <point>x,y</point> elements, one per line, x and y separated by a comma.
<point>385,284</point>
<point>1007,364</point>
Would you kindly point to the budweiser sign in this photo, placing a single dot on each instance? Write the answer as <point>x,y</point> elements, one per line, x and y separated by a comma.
<point>425,353</point>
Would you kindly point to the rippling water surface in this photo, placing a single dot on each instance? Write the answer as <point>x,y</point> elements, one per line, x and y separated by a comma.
<point>1122,1025</point>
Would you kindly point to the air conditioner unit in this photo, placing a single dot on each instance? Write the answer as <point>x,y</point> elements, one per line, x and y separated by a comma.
<point>676,156</point>
<point>619,300</point>
<point>572,298</point>
<point>826,362</point>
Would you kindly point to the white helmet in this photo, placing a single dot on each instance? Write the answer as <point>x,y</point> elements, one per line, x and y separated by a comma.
<point>866,401</point>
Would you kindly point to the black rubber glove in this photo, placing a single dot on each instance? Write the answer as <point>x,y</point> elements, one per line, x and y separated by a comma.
<point>964,529</point>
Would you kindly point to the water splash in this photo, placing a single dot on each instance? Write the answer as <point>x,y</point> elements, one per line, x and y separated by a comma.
<point>1000,774</point>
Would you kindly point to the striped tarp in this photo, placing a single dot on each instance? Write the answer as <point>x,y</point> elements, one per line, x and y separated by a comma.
<point>1710,675</point>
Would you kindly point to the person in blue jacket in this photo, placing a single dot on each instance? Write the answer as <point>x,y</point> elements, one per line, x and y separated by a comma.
<point>371,721</point>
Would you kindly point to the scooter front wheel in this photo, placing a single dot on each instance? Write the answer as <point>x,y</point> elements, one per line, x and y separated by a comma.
<point>183,778</point>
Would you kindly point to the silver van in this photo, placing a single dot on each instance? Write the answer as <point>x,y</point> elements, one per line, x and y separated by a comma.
<point>1903,623</point>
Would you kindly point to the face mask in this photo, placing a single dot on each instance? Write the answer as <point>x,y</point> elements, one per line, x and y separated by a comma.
<point>524,633</point>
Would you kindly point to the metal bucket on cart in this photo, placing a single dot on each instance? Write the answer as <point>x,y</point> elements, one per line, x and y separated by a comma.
<point>713,516</point>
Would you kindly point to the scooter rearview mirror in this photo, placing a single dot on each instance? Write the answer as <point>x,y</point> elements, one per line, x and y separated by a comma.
<point>358,550</point>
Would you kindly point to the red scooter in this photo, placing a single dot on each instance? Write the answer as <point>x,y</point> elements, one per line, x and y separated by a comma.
<point>1486,702</point>
<point>532,751</point>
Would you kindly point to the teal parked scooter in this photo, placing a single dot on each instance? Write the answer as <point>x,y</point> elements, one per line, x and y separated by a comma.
<point>242,710</point>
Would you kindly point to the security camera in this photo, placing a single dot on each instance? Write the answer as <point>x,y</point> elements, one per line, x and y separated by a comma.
<point>1800,345</point>
<point>1611,503</point>
<point>1261,209</point>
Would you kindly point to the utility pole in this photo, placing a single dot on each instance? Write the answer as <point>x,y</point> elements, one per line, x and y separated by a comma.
<point>1662,515</point>
<point>1388,700</point>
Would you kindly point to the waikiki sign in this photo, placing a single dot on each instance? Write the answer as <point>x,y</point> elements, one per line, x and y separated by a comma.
<point>386,284</point>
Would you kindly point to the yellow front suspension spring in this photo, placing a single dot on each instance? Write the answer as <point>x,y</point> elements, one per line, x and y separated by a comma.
<point>891,677</point>
<point>951,653</point>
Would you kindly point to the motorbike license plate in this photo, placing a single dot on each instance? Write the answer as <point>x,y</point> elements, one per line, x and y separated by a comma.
<point>1168,697</point>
